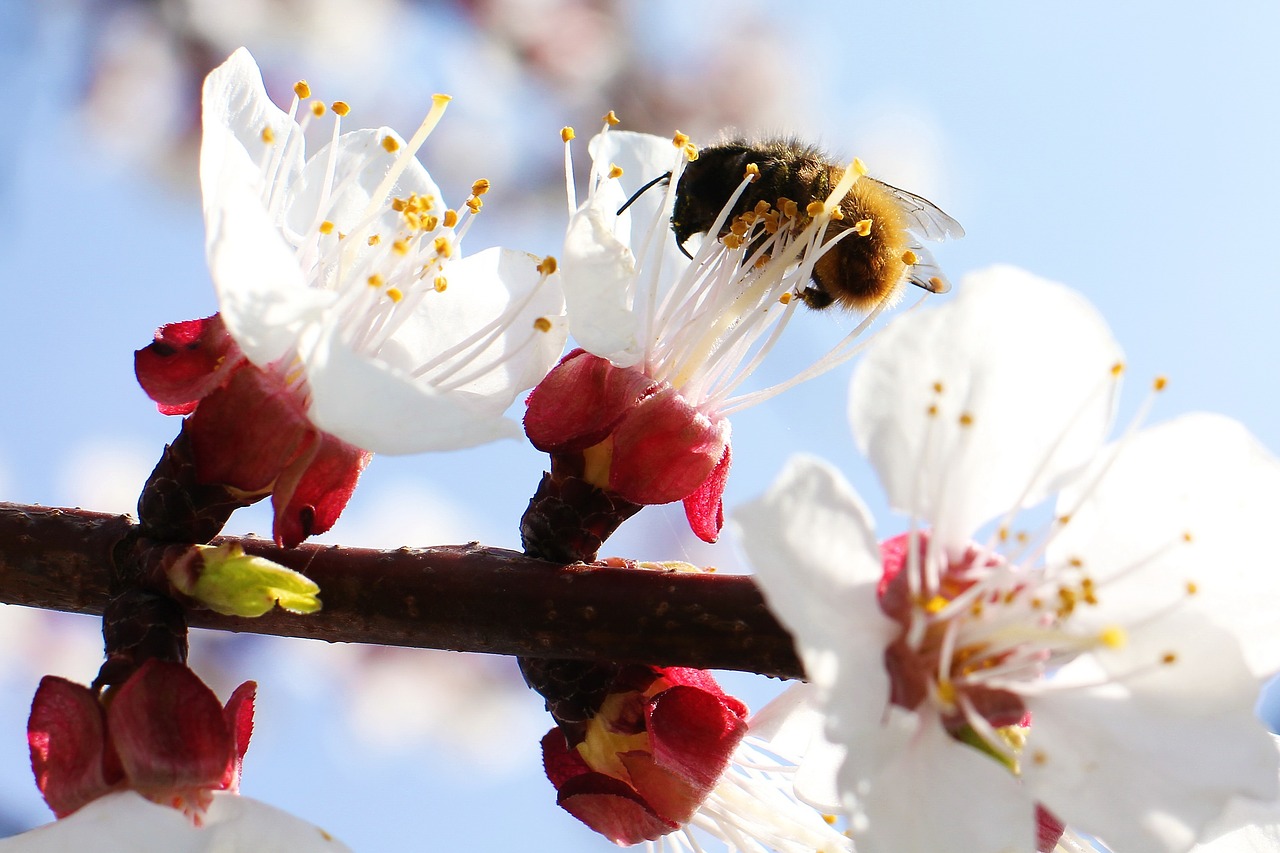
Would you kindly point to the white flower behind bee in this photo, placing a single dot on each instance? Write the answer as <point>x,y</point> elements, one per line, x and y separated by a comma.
<point>345,272</point>
<point>1104,667</point>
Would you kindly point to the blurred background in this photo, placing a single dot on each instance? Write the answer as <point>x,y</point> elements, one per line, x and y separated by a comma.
<point>1128,151</point>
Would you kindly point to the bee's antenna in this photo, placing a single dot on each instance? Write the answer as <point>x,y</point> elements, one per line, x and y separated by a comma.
<point>684,251</point>
<point>643,190</point>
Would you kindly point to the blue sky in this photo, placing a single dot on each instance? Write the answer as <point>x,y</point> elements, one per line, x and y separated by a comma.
<point>1128,151</point>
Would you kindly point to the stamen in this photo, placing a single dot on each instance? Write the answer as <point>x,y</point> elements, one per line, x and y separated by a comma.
<point>342,108</point>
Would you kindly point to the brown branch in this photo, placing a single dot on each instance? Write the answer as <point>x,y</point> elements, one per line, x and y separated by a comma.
<point>466,598</point>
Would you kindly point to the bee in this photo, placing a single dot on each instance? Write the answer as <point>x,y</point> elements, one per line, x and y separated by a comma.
<point>857,272</point>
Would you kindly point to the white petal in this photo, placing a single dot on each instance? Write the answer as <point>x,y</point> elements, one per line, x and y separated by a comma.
<point>812,545</point>
<point>375,403</point>
<point>599,274</point>
<point>128,823</point>
<point>1247,826</point>
<point>1145,761</point>
<point>1027,360</point>
<point>235,113</point>
<point>642,157</point>
<point>262,294</point>
<point>1202,475</point>
<point>937,794</point>
<point>792,724</point>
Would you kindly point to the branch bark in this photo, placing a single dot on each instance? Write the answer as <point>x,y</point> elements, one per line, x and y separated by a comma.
<point>466,598</point>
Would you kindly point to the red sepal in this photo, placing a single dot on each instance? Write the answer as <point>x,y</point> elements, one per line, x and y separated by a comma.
<point>67,736</point>
<point>311,493</point>
<point>705,507</point>
<point>664,449</point>
<point>580,402</point>
<point>185,363</point>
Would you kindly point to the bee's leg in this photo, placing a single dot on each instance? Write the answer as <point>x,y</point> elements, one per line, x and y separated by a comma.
<point>816,297</point>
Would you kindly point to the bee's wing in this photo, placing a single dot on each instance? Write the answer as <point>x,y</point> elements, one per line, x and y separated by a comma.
<point>925,272</point>
<point>925,217</point>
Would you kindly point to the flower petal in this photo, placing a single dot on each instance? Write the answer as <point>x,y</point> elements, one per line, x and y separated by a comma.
<point>66,733</point>
<point>1147,760</point>
<point>128,823</point>
<point>1025,372</point>
<point>1183,503</point>
<point>598,271</point>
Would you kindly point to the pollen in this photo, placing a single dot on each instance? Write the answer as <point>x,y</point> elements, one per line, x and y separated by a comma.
<point>268,135</point>
<point>302,90</point>
<point>548,265</point>
<point>909,257</point>
<point>326,227</point>
<point>611,118</point>
<point>680,140</point>
<point>441,284</point>
<point>1117,368</point>
<point>566,133</point>
<point>480,187</point>
<point>318,108</point>
<point>395,294</point>
<point>442,247</point>
<point>390,144</point>
<point>732,241</point>
<point>935,604</point>
<point>752,170</point>
<point>1169,658</point>
<point>542,324</point>
<point>785,298</point>
<point>340,107</point>
<point>474,204</point>
<point>451,218</point>
<point>863,227</point>
<point>1160,383</point>
<point>400,247</point>
<point>1064,519</point>
<point>815,208</point>
<point>375,280</point>
<point>691,152</point>
<point>966,419</point>
<point>1192,588</point>
<point>1113,637</point>
<point>375,239</point>
<point>615,171</point>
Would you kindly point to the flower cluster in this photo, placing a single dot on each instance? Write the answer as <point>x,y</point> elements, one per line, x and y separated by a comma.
<point>1021,679</point>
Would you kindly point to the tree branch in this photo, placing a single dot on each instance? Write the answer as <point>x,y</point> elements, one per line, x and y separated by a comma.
<point>466,598</point>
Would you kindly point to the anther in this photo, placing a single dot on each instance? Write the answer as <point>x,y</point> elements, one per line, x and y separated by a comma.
<point>326,227</point>
<point>340,107</point>
<point>1114,637</point>
<point>937,387</point>
<point>480,187</point>
<point>375,239</point>
<point>680,140</point>
<point>542,324</point>
<point>400,247</point>
<point>615,171</point>
<point>1168,658</point>
<point>302,90</point>
<point>441,284</point>
<point>395,294</point>
<point>909,257</point>
<point>966,419</point>
<point>548,265</point>
<point>566,133</point>
<point>268,135</point>
<point>1160,383</point>
<point>1192,589</point>
<point>752,170</point>
<point>859,167</point>
<point>815,208</point>
<point>390,144</point>
<point>375,280</point>
<point>1117,368</point>
<point>450,218</point>
<point>863,227</point>
<point>611,118</point>
<point>441,245</point>
<point>318,108</point>
<point>785,298</point>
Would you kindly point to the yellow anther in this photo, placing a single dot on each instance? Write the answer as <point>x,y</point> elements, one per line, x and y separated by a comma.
<point>474,204</point>
<point>390,144</point>
<point>1064,519</point>
<point>400,247</point>
<point>1160,383</point>
<point>1075,563</point>
<point>935,604</point>
<point>439,100</point>
<point>1113,637</point>
<point>318,108</point>
<point>548,265</point>
<point>542,324</point>
<point>1117,368</point>
<point>268,135</point>
<point>937,387</point>
<point>966,419</point>
<point>863,227</point>
<point>326,227</point>
<point>375,280</point>
<point>752,170</point>
<point>1036,603</point>
<point>936,283</point>
<point>1003,534</point>
<point>1186,536</point>
<point>451,218</point>
<point>837,214</point>
<point>763,207</point>
<point>611,118</point>
<point>395,294</point>
<point>566,133</point>
<point>680,140</point>
<point>398,205</point>
<point>815,208</point>
<point>302,90</point>
<point>932,411</point>
<point>789,209</point>
<point>1039,757</point>
<point>1192,589</point>
<point>480,187</point>
<point>829,819</point>
<point>442,247</point>
<point>909,257</point>
<point>1021,537</point>
<point>615,171</point>
<point>732,241</point>
<point>946,693</point>
<point>859,167</point>
<point>340,107</point>
<point>441,284</point>
<point>1168,658</point>
<point>785,298</point>
<point>430,223</point>
<point>738,227</point>
<point>691,152</point>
